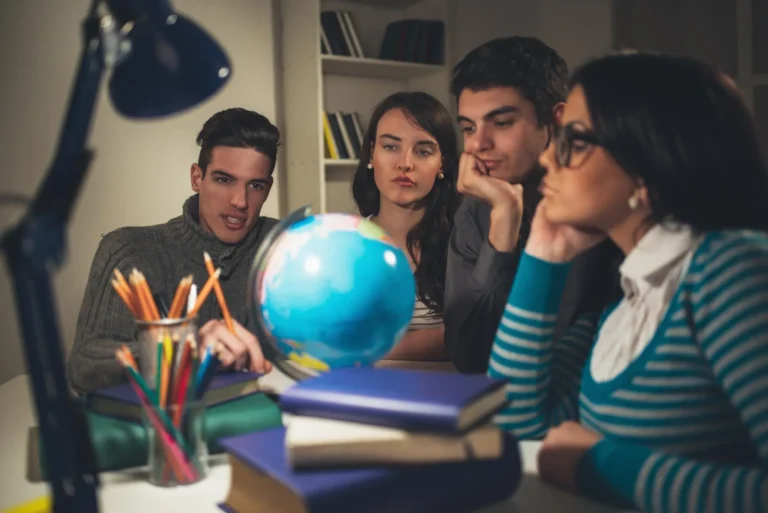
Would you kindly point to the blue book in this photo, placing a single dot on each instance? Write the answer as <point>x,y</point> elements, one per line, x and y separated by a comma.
<point>262,480</point>
<point>438,402</point>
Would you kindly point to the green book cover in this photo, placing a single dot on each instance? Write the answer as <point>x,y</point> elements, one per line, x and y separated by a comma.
<point>120,444</point>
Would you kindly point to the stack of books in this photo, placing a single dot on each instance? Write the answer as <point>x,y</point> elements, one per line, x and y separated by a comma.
<point>338,35</point>
<point>414,40</point>
<point>378,440</point>
<point>343,135</point>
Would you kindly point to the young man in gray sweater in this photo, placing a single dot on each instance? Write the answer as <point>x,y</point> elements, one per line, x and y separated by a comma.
<point>231,180</point>
<point>509,92</point>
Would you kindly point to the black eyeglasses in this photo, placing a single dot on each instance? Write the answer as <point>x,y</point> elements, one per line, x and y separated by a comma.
<point>573,144</point>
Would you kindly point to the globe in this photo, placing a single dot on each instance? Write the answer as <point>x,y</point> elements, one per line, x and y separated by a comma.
<point>331,290</point>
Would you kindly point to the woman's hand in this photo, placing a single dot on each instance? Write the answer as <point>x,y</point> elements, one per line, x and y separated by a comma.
<point>561,451</point>
<point>558,242</point>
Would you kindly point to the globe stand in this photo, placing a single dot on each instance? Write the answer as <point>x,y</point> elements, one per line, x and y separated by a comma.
<point>254,283</point>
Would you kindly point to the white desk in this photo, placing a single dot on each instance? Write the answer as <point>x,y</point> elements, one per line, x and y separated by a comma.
<point>127,492</point>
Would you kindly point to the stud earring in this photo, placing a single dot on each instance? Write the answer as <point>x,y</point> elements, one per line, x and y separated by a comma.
<point>633,202</point>
<point>370,166</point>
<point>440,175</point>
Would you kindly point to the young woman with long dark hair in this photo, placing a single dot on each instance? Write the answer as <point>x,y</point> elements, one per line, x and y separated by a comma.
<point>406,183</point>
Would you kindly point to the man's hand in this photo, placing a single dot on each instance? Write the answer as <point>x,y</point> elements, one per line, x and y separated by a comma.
<point>475,181</point>
<point>505,199</point>
<point>240,350</point>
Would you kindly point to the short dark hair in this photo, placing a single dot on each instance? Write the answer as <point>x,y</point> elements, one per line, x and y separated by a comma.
<point>524,63</point>
<point>238,128</point>
<point>430,235</point>
<point>680,126</point>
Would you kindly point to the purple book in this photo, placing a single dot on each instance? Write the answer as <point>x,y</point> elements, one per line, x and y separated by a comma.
<point>121,400</point>
<point>262,480</point>
<point>440,402</point>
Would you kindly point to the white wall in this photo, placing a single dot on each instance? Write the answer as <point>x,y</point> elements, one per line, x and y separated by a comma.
<point>140,172</point>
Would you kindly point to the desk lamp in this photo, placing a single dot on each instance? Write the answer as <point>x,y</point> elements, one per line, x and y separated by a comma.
<point>161,63</point>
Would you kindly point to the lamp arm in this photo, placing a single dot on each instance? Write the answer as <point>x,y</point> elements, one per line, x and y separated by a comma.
<point>34,250</point>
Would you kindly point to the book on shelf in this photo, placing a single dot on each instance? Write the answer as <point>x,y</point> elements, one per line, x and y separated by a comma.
<point>329,143</point>
<point>338,35</point>
<point>414,40</point>
<point>338,138</point>
<point>342,135</point>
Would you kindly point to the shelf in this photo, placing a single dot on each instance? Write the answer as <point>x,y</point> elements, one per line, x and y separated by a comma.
<point>341,162</point>
<point>313,83</point>
<point>392,4</point>
<point>376,68</point>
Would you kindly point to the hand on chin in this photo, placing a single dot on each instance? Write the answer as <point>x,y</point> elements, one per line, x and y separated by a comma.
<point>555,216</point>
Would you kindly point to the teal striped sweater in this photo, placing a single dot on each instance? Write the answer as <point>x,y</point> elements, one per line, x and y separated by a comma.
<point>685,426</point>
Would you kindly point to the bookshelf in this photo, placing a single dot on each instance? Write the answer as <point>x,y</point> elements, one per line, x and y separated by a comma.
<point>340,162</point>
<point>389,3</point>
<point>313,82</point>
<point>375,68</point>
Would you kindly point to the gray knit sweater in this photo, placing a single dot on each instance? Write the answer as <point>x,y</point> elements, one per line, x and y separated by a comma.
<point>164,253</point>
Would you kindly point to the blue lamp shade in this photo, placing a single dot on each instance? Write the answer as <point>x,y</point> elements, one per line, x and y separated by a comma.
<point>172,65</point>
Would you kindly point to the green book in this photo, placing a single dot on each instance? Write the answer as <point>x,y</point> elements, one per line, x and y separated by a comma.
<point>121,444</point>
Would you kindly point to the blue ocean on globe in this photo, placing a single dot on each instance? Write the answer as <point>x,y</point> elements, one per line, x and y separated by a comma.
<point>336,292</point>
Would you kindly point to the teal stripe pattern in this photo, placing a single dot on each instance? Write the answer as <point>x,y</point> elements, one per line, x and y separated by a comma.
<point>685,426</point>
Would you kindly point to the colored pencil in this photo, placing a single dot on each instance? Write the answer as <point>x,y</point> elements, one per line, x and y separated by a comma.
<point>126,296</point>
<point>204,292</point>
<point>191,298</point>
<point>183,370</point>
<point>219,294</point>
<point>161,412</point>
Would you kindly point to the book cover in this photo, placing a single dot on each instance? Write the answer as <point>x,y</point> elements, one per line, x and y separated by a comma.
<point>120,444</point>
<point>433,401</point>
<point>263,481</point>
<point>121,400</point>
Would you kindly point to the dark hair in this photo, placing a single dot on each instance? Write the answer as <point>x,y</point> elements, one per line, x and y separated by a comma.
<point>681,127</point>
<point>430,235</point>
<point>238,128</point>
<point>525,63</point>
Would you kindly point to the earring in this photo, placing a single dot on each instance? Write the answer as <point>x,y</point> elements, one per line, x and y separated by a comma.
<point>633,202</point>
<point>440,175</point>
<point>370,166</point>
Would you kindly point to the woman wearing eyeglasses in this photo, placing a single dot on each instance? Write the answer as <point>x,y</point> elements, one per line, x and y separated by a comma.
<point>661,403</point>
